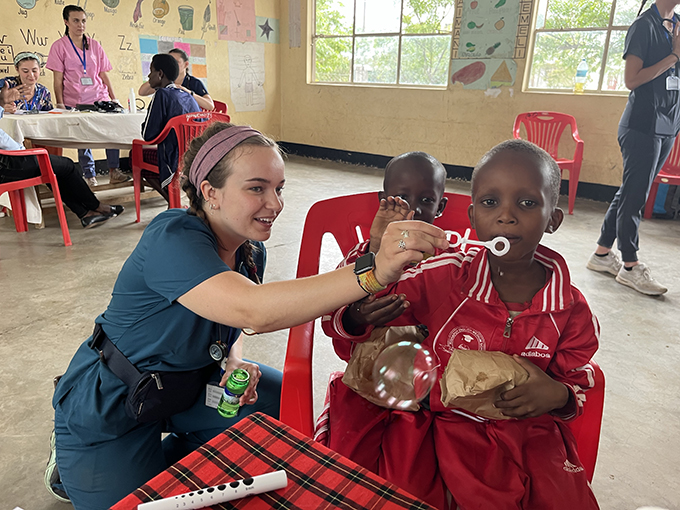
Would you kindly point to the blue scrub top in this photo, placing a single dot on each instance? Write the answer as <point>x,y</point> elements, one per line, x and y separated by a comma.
<point>177,252</point>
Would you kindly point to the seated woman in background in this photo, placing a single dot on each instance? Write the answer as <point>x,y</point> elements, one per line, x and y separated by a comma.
<point>32,95</point>
<point>184,81</point>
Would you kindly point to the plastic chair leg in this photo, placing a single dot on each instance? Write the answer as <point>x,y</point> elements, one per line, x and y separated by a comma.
<point>649,206</point>
<point>174,199</point>
<point>137,185</point>
<point>16,199</point>
<point>573,188</point>
<point>60,213</point>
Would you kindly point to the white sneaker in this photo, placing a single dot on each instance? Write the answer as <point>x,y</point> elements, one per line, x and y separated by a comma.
<point>640,279</point>
<point>91,181</point>
<point>52,479</point>
<point>610,263</point>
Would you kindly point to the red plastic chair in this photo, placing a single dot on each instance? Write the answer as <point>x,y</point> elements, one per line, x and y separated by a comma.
<point>220,107</point>
<point>16,191</point>
<point>586,428</point>
<point>339,217</point>
<point>669,174</point>
<point>545,130</point>
<point>186,127</point>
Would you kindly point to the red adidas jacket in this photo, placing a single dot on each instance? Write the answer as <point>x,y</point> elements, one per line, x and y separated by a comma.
<point>452,294</point>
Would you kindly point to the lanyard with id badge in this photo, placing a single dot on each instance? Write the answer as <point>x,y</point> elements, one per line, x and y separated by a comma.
<point>85,80</point>
<point>672,81</point>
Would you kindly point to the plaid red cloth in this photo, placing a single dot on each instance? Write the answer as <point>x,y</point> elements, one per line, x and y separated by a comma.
<point>317,477</point>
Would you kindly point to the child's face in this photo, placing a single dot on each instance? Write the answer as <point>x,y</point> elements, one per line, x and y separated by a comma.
<point>154,77</point>
<point>416,182</point>
<point>512,199</point>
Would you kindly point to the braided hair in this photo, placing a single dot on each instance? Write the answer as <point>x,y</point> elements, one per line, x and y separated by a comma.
<point>217,178</point>
<point>66,13</point>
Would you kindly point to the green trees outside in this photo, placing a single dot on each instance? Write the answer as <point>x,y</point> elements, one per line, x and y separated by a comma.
<point>558,51</point>
<point>425,45</point>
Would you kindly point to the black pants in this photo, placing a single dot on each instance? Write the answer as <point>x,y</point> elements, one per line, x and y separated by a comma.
<point>74,191</point>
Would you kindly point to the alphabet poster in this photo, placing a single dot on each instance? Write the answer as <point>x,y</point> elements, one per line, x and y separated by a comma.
<point>246,74</point>
<point>149,45</point>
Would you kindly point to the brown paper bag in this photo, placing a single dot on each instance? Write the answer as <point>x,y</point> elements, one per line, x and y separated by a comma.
<point>359,372</point>
<point>474,380</point>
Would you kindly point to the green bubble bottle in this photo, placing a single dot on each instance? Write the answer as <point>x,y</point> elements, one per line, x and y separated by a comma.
<point>236,386</point>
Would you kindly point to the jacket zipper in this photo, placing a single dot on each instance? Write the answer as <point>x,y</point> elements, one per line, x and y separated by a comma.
<point>508,327</point>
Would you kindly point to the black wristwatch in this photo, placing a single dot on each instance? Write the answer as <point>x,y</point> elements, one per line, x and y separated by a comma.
<point>363,269</point>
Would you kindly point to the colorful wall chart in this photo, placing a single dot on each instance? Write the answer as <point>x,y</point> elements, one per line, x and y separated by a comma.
<point>149,45</point>
<point>236,20</point>
<point>483,74</point>
<point>488,29</point>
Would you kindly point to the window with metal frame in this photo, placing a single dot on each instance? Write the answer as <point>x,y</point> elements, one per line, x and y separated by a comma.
<point>382,42</point>
<point>568,31</point>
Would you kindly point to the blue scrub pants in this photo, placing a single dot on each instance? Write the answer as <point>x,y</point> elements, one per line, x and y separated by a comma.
<point>643,157</point>
<point>87,161</point>
<point>96,476</point>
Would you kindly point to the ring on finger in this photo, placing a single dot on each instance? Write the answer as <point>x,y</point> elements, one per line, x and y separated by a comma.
<point>401,244</point>
<point>404,233</point>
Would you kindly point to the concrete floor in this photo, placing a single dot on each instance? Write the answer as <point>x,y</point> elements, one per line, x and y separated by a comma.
<point>52,294</point>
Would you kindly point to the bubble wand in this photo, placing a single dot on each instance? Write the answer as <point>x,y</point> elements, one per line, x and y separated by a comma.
<point>455,240</point>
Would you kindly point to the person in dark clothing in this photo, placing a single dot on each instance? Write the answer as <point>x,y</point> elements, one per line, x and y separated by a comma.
<point>75,192</point>
<point>169,101</point>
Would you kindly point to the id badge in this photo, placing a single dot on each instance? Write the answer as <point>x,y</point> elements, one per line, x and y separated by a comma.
<point>87,81</point>
<point>672,83</point>
<point>213,394</point>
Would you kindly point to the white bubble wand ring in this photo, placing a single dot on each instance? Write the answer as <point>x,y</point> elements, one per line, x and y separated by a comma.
<point>455,240</point>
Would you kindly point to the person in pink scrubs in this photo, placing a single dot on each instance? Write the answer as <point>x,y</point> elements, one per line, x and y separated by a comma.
<point>80,68</point>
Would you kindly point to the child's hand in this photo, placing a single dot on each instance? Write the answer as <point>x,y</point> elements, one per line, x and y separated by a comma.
<point>376,311</point>
<point>391,209</point>
<point>539,395</point>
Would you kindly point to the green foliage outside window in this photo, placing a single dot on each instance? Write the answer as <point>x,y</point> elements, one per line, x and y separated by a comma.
<point>425,43</point>
<point>558,48</point>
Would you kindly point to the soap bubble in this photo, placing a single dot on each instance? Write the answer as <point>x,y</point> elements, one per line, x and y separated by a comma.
<point>404,374</point>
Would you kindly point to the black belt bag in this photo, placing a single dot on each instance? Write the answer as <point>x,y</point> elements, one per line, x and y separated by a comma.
<point>152,396</point>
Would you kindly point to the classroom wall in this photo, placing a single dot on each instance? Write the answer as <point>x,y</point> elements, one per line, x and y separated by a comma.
<point>455,125</point>
<point>117,25</point>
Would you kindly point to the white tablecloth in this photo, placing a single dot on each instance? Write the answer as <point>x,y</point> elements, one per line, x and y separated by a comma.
<point>76,130</point>
<point>73,130</point>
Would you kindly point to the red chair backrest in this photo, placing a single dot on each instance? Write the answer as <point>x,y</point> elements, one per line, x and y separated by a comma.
<point>672,164</point>
<point>220,106</point>
<point>326,216</point>
<point>190,125</point>
<point>339,217</point>
<point>544,128</point>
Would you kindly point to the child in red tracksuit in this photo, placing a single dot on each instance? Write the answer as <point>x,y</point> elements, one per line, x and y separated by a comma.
<point>522,304</point>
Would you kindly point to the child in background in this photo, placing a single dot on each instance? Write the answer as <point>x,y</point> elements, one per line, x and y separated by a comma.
<point>413,188</point>
<point>169,101</point>
<point>522,304</point>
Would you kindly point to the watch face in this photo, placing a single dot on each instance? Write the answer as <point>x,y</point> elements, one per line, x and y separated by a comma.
<point>364,263</point>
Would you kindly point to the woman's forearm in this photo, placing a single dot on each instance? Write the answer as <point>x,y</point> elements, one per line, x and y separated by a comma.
<point>146,89</point>
<point>635,75</point>
<point>59,87</point>
<point>205,102</point>
<point>105,79</point>
<point>230,298</point>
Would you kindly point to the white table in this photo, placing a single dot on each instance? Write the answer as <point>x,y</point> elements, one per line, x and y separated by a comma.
<point>73,130</point>
<point>76,130</point>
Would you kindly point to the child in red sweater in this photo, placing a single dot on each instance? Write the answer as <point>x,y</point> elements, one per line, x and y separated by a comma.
<point>522,304</point>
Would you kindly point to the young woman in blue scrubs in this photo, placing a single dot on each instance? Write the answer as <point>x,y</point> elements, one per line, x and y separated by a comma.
<point>194,279</point>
